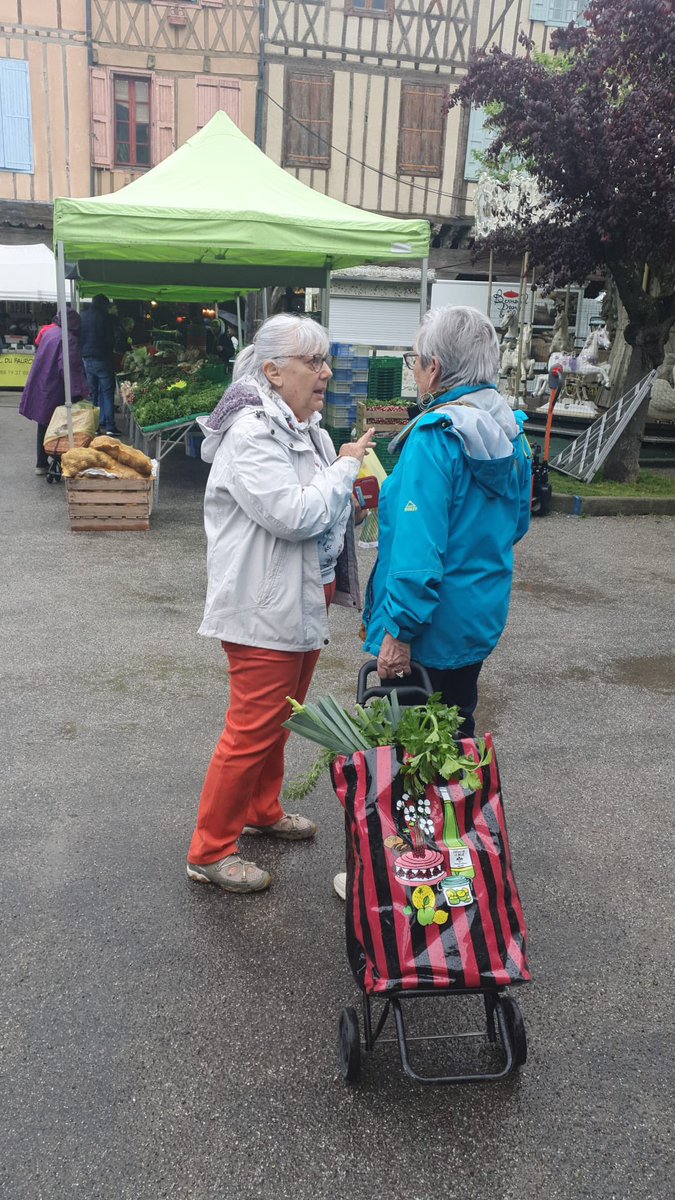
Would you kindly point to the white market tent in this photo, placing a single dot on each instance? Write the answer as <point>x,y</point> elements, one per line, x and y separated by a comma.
<point>27,273</point>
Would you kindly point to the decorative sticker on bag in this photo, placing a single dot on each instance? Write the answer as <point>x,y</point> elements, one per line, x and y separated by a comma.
<point>424,906</point>
<point>439,871</point>
<point>457,892</point>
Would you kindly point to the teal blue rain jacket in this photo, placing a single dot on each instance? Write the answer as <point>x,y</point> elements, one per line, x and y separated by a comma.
<point>448,524</point>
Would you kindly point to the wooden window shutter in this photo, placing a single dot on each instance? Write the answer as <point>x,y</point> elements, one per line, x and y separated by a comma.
<point>214,94</point>
<point>101,117</point>
<point>162,117</point>
<point>421,140</point>
<point>308,123</point>
<point>16,129</point>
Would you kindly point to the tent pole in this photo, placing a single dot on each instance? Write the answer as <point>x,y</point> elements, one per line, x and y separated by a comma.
<point>63,310</point>
<point>239,332</point>
<point>490,275</point>
<point>423,287</point>
<point>325,300</point>
<point>265,312</point>
<point>522,300</point>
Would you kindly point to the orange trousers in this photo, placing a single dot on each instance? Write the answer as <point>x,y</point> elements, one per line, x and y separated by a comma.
<point>246,773</point>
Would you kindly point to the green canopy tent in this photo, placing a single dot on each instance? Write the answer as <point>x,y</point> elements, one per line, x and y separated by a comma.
<point>219,214</point>
<point>165,293</point>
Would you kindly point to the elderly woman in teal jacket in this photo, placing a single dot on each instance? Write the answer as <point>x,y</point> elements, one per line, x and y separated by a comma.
<point>450,514</point>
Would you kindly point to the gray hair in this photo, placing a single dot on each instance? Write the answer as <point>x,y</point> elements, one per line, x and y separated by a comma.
<point>465,343</point>
<point>280,337</point>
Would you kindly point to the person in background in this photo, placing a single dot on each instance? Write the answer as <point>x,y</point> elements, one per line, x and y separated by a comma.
<point>44,390</point>
<point>42,330</point>
<point>98,341</point>
<point>450,514</point>
<point>278,518</point>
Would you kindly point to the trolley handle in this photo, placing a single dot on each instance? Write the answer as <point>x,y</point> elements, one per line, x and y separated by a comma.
<point>417,684</point>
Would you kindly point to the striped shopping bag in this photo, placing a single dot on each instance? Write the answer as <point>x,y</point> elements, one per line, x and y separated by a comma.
<point>431,897</point>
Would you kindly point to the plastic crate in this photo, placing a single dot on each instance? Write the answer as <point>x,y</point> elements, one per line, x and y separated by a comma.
<point>215,373</point>
<point>350,362</point>
<point>385,377</point>
<point>349,350</point>
<point>338,436</point>
<point>348,387</point>
<point>344,418</point>
<point>358,375</point>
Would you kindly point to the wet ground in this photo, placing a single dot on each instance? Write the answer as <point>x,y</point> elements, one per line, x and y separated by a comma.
<point>161,1040</point>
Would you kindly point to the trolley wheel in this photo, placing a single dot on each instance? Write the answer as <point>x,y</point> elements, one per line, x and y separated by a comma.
<point>516,1027</point>
<point>349,1046</point>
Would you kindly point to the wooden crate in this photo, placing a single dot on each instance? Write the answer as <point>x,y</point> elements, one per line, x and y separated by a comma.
<point>386,420</point>
<point>96,504</point>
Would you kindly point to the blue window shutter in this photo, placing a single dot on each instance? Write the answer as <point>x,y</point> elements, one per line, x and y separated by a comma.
<point>539,10</point>
<point>478,139</point>
<point>557,12</point>
<point>16,129</point>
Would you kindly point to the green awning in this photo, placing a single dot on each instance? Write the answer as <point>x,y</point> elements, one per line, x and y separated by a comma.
<point>229,217</point>
<point>163,294</point>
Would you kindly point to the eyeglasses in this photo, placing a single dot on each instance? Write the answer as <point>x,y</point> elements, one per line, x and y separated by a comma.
<point>315,361</point>
<point>410,359</point>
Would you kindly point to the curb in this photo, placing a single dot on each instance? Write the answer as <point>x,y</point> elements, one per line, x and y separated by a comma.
<point>612,506</point>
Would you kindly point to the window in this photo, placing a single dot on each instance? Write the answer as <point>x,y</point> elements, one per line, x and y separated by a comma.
<point>309,119</point>
<point>133,122</point>
<point>557,12</point>
<point>16,129</point>
<point>374,8</point>
<point>478,140</point>
<point>131,98</point>
<point>421,130</point>
<point>213,94</point>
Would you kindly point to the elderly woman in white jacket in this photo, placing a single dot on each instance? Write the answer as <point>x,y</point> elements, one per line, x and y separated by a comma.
<point>278,518</point>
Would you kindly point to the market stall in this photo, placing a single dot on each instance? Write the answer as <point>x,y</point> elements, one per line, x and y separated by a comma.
<point>27,281</point>
<point>218,214</point>
<point>163,388</point>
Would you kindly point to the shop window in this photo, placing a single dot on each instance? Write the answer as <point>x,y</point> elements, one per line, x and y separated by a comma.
<point>557,12</point>
<point>421,140</point>
<point>16,129</point>
<point>309,119</point>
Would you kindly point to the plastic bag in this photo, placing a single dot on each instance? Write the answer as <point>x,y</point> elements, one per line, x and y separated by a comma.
<point>431,897</point>
<point>369,530</point>
<point>85,427</point>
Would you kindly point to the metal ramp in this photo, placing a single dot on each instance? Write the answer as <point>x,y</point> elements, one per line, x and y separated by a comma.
<point>586,454</point>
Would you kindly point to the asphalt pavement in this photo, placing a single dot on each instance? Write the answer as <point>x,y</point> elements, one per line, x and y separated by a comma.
<point>160,1039</point>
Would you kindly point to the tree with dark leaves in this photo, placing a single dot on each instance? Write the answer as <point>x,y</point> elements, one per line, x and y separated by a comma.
<point>594,123</point>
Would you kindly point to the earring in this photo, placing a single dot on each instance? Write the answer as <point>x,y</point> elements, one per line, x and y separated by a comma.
<point>426,399</point>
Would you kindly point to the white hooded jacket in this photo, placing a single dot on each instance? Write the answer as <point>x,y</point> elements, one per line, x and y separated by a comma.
<point>265,505</point>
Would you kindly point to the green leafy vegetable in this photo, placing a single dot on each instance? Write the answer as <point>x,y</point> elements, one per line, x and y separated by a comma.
<point>425,733</point>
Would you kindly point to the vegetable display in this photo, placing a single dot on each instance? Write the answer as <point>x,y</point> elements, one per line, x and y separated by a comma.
<point>166,385</point>
<point>426,735</point>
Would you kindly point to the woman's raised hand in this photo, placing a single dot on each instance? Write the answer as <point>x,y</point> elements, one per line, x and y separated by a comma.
<point>358,449</point>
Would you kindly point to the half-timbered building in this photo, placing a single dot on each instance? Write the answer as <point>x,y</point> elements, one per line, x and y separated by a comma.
<point>93,92</point>
<point>159,72</point>
<point>44,118</point>
<point>355,93</point>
